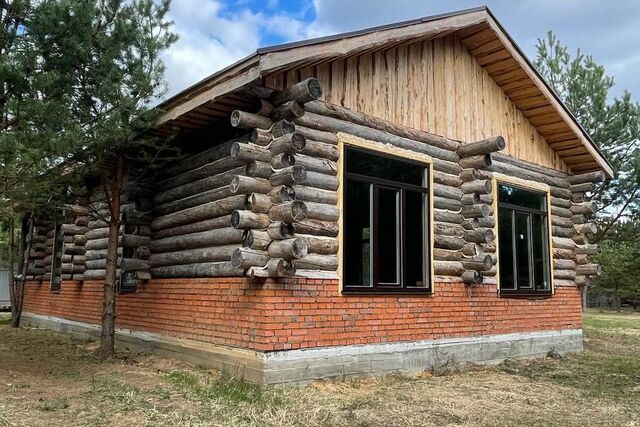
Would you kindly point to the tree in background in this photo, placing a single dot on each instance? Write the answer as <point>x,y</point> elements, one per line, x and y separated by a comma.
<point>78,79</point>
<point>613,123</point>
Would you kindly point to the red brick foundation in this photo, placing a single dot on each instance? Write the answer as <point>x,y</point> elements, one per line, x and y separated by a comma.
<point>303,313</point>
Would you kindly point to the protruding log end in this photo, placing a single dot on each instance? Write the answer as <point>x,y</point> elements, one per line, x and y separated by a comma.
<point>282,127</point>
<point>472,277</point>
<point>302,92</point>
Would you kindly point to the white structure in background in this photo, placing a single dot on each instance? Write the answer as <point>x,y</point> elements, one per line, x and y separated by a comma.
<point>5,301</point>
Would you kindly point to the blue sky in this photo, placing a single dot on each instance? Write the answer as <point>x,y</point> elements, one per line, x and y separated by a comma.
<point>216,33</point>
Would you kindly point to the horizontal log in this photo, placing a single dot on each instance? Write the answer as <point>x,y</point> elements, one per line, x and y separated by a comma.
<point>562,203</point>
<point>275,268</point>
<point>564,274</point>
<point>582,281</point>
<point>72,249</point>
<point>322,212</point>
<point>282,160</point>
<point>244,219</point>
<point>288,111</point>
<point>246,258</point>
<point>589,270</point>
<point>586,187</point>
<point>321,150</point>
<point>580,239</point>
<point>303,92</point>
<point>445,166</point>
<point>324,166</point>
<point>318,135</point>
<point>586,208</point>
<point>470,199</point>
<point>247,185</point>
<point>564,253</point>
<point>476,211</point>
<point>479,187</point>
<point>479,235</point>
<point>282,127</point>
<point>198,213</point>
<point>193,255</point>
<point>447,255</point>
<point>448,242</point>
<point>440,215</point>
<point>562,232</point>
<point>448,268</point>
<point>561,212</point>
<point>281,194</point>
<point>195,200</point>
<point>444,203</point>
<point>95,254</point>
<point>258,169</point>
<point>482,161</point>
<point>485,146</point>
<point>208,269</point>
<point>322,181</point>
<point>244,120</point>
<point>209,170</point>
<point>472,249</point>
<point>279,230</point>
<point>310,194</point>
<point>561,222</point>
<point>79,240</point>
<point>563,193</point>
<point>478,263</point>
<point>317,262</point>
<point>222,236</point>
<point>289,212</point>
<point>448,229</point>
<point>72,229</point>
<point>588,249</point>
<point>564,264</point>
<point>578,219</point>
<point>447,191</point>
<point>316,228</point>
<point>81,221</point>
<point>582,259</point>
<point>563,243</point>
<point>198,186</point>
<point>587,228</point>
<point>291,143</point>
<point>288,176</point>
<point>259,203</point>
<point>593,177</point>
<point>326,123</point>
<point>447,179</point>
<point>260,136</point>
<point>320,244</point>
<point>201,158</point>
<point>258,239</point>
<point>487,222</point>
<point>247,152</point>
<point>288,249</point>
<point>346,114</point>
<point>208,224</point>
<point>132,264</point>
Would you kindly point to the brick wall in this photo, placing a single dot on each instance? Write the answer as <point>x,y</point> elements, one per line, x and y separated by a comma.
<point>298,313</point>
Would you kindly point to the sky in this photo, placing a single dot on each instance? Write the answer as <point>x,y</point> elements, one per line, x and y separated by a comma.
<point>216,33</point>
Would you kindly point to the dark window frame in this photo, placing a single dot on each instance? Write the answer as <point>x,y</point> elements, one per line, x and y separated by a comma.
<point>55,283</point>
<point>543,213</point>
<point>376,288</point>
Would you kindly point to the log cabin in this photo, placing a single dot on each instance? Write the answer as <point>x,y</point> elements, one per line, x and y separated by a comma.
<point>391,199</point>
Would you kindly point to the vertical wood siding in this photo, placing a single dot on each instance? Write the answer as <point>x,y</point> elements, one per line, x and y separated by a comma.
<point>434,85</point>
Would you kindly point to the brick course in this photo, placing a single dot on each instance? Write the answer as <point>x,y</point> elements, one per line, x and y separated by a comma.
<point>304,313</point>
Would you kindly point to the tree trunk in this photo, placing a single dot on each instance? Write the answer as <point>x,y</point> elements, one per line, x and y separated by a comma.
<point>616,298</point>
<point>112,189</point>
<point>19,292</point>
<point>12,247</point>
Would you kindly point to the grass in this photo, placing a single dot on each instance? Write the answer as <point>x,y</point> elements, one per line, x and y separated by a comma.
<point>51,379</point>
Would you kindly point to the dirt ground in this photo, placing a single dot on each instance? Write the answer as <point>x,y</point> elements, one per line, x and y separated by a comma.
<point>50,379</point>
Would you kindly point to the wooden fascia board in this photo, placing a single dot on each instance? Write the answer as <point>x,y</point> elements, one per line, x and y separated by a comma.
<point>575,128</point>
<point>228,82</point>
<point>274,61</point>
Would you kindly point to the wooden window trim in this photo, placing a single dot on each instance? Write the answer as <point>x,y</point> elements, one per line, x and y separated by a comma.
<point>349,141</point>
<point>535,187</point>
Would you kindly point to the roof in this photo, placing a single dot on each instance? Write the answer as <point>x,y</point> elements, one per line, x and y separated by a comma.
<point>216,96</point>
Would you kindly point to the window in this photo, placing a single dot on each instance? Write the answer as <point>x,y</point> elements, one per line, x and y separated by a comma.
<point>523,237</point>
<point>56,259</point>
<point>386,243</point>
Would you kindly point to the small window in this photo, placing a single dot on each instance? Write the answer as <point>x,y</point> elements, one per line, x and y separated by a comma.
<point>523,237</point>
<point>56,259</point>
<point>385,224</point>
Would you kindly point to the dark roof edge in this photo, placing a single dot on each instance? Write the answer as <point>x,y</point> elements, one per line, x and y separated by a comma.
<point>364,31</point>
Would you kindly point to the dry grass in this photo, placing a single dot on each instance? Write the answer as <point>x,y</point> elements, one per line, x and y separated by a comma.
<point>51,379</point>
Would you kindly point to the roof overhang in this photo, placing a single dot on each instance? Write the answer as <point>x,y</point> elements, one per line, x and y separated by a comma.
<point>216,96</point>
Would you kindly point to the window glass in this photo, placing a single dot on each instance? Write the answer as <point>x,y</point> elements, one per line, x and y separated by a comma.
<point>357,266</point>
<point>417,238</point>
<point>385,215</point>
<point>364,163</point>
<point>523,238</point>
<point>520,197</point>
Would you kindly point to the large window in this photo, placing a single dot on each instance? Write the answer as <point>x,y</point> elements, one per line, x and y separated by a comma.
<point>523,234</point>
<point>386,244</point>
